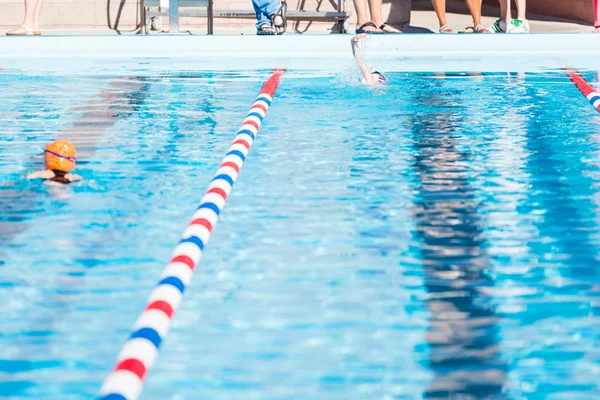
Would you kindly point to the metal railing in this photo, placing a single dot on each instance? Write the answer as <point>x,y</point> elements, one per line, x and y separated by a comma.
<point>204,8</point>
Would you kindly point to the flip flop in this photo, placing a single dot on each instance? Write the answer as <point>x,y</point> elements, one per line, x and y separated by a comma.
<point>282,13</point>
<point>476,29</point>
<point>446,29</point>
<point>361,29</point>
<point>383,26</point>
<point>23,32</point>
<point>266,30</point>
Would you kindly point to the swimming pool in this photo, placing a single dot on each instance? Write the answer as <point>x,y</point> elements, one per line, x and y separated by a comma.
<point>438,237</point>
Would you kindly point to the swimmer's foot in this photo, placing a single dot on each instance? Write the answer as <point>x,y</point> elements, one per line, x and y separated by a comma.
<point>369,28</point>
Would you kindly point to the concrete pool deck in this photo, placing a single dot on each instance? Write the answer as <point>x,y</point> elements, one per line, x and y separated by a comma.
<point>422,18</point>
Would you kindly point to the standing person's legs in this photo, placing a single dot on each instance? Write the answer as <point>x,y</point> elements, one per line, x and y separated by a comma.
<point>520,25</point>
<point>475,10</point>
<point>440,10</point>
<point>362,18</point>
<point>261,17</point>
<point>376,8</point>
<point>30,13</point>
<point>264,9</point>
<point>501,24</point>
<point>503,10</point>
<point>29,21</point>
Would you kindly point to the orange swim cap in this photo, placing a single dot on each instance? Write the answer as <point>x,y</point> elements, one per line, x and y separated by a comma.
<point>60,155</point>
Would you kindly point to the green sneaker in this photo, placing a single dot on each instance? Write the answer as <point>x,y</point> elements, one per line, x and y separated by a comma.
<point>498,27</point>
<point>518,26</point>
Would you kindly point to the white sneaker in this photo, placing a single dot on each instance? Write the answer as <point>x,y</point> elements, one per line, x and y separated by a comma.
<point>518,26</point>
<point>498,27</point>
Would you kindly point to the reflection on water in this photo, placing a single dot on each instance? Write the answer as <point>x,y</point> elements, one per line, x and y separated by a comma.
<point>463,337</point>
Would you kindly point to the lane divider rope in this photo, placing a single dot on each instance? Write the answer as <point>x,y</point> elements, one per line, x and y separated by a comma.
<point>584,87</point>
<point>140,351</point>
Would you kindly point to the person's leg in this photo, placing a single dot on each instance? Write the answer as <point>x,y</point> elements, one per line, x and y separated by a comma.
<point>30,8</point>
<point>520,25</point>
<point>521,10</point>
<point>440,10</point>
<point>360,6</point>
<point>262,16</point>
<point>505,11</point>
<point>376,9</point>
<point>475,10</point>
<point>29,21</point>
<point>500,25</point>
<point>36,16</point>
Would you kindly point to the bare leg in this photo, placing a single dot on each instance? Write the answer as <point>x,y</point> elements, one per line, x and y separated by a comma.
<point>361,15</point>
<point>505,10</point>
<point>36,17</point>
<point>375,7</point>
<point>521,10</point>
<point>475,10</point>
<point>375,10</point>
<point>440,11</point>
<point>30,19</point>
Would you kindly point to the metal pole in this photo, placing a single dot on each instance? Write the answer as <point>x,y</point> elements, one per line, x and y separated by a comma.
<point>173,16</point>
<point>210,17</point>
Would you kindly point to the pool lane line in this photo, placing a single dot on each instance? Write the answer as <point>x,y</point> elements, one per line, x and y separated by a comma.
<point>140,351</point>
<point>584,87</point>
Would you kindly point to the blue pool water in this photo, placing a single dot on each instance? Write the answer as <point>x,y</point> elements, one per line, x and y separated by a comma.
<point>436,239</point>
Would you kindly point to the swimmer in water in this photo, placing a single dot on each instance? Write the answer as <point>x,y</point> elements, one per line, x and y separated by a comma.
<point>369,78</point>
<point>59,159</point>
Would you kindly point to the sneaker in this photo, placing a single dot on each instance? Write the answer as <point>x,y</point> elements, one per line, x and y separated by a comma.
<point>499,26</point>
<point>518,26</point>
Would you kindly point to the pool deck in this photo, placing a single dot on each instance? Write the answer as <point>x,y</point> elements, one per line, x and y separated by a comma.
<point>422,20</point>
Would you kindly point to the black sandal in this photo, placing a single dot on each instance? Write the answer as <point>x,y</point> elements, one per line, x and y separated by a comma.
<point>265,30</point>
<point>383,26</point>
<point>282,12</point>
<point>361,29</point>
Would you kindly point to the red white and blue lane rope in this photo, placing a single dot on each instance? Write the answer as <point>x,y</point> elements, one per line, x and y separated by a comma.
<point>141,349</point>
<point>584,87</point>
